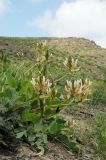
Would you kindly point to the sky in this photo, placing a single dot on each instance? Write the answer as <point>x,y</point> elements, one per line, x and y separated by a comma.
<point>54,18</point>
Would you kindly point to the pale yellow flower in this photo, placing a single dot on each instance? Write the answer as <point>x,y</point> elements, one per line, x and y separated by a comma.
<point>71,64</point>
<point>78,89</point>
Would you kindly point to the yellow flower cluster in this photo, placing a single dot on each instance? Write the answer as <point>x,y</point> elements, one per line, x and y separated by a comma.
<point>52,90</point>
<point>78,89</point>
<point>43,86</point>
<point>41,52</point>
<point>71,64</point>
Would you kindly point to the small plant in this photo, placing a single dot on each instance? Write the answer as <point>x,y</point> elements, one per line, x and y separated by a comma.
<point>51,98</point>
<point>46,88</point>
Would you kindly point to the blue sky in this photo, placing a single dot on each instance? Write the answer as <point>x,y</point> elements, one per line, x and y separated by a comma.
<point>59,18</point>
<point>16,21</point>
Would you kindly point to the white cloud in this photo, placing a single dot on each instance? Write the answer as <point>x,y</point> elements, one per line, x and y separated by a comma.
<point>80,18</point>
<point>4,6</point>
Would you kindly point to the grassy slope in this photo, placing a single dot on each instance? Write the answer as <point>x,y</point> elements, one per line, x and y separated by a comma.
<point>92,59</point>
<point>89,54</point>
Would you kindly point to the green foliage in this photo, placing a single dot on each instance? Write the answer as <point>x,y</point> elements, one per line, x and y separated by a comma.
<point>99,135</point>
<point>99,93</point>
<point>30,111</point>
<point>19,110</point>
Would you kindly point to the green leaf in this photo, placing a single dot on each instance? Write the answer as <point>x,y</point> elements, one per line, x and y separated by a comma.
<point>42,138</point>
<point>56,125</point>
<point>27,116</point>
<point>70,143</point>
<point>20,134</point>
<point>53,128</point>
<point>8,93</point>
<point>41,148</point>
<point>11,81</point>
<point>31,137</point>
<point>38,126</point>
